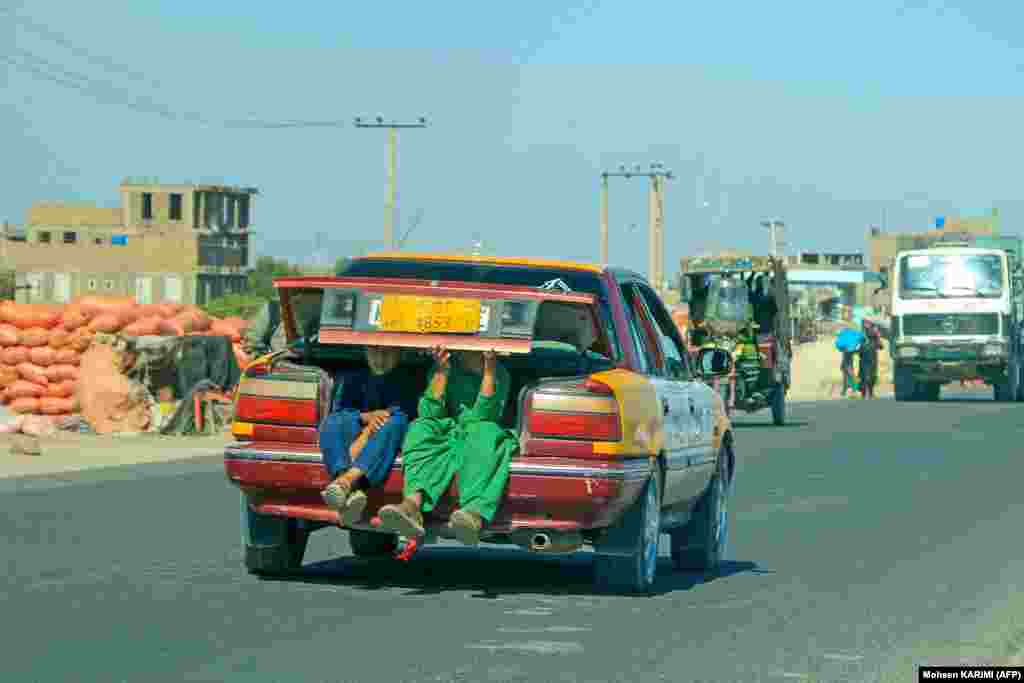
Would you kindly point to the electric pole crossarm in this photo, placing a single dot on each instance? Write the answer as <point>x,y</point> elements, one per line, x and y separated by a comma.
<point>391,204</point>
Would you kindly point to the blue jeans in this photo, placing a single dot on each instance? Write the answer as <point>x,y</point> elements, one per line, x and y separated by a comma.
<point>341,429</point>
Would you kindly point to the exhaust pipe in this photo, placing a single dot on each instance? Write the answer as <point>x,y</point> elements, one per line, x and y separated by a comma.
<point>553,542</point>
<point>540,542</point>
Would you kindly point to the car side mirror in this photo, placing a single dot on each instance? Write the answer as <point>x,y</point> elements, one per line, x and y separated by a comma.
<point>714,362</point>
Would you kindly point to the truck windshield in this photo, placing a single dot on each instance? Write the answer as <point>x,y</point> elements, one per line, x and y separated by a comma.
<point>930,276</point>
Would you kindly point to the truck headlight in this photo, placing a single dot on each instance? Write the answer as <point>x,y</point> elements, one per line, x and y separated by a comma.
<point>993,350</point>
<point>909,352</point>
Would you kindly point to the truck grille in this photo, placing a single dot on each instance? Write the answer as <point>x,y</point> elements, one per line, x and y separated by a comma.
<point>949,323</point>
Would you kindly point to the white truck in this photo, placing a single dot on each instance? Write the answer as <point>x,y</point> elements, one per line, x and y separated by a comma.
<point>956,315</point>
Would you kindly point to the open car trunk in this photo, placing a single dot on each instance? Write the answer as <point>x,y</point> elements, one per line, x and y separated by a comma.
<point>539,334</point>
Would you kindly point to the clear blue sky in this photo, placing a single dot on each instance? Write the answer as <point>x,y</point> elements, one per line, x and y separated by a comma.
<point>820,113</point>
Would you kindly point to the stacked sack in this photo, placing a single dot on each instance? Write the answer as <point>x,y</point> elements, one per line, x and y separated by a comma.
<point>41,345</point>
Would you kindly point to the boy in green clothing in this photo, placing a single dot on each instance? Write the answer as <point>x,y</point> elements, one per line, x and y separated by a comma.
<point>456,433</point>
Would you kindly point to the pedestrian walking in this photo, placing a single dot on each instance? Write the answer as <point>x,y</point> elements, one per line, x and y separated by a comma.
<point>869,359</point>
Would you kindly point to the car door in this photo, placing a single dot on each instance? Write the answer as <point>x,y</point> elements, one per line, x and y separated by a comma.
<point>695,466</point>
<point>677,425</point>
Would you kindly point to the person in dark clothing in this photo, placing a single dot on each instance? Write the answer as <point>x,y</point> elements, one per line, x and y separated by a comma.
<point>869,359</point>
<point>765,308</point>
<point>361,437</point>
<point>846,367</point>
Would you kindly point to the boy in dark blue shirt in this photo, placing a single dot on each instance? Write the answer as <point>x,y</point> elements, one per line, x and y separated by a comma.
<point>361,437</point>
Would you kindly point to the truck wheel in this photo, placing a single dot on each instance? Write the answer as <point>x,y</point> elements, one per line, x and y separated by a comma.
<point>371,543</point>
<point>701,544</point>
<point>1016,392</point>
<point>1001,391</point>
<point>904,386</point>
<point>626,559</point>
<point>274,546</point>
<point>779,405</point>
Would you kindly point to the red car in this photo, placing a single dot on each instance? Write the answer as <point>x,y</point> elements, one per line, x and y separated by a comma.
<point>620,441</point>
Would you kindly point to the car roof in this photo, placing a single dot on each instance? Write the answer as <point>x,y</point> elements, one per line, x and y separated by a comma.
<point>490,260</point>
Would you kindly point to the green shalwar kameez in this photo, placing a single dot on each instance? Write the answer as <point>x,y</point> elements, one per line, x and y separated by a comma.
<point>471,444</point>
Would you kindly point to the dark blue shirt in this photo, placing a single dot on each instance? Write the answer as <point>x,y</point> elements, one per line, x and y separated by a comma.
<point>364,391</point>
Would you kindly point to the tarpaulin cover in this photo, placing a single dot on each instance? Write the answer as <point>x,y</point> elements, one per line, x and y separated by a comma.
<point>206,358</point>
<point>849,340</point>
<point>109,401</point>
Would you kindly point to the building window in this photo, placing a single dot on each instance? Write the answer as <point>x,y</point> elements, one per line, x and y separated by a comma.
<point>147,206</point>
<point>108,285</point>
<point>92,284</point>
<point>70,238</point>
<point>175,207</point>
<point>98,240</point>
<point>243,211</point>
<point>45,237</point>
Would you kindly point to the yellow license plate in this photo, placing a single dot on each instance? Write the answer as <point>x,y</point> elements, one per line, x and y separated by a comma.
<point>428,315</point>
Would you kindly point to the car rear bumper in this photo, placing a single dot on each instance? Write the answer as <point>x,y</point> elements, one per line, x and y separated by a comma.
<point>557,494</point>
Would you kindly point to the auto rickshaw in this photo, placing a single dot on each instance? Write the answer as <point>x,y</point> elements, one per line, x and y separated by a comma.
<point>741,305</point>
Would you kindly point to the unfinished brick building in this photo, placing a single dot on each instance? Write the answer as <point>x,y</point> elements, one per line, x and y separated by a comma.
<point>186,243</point>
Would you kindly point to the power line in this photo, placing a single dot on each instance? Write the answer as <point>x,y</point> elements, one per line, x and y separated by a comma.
<point>62,40</point>
<point>105,93</point>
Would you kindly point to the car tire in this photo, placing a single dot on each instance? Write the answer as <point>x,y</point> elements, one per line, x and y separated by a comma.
<point>274,546</point>
<point>779,405</point>
<point>701,544</point>
<point>626,559</point>
<point>371,543</point>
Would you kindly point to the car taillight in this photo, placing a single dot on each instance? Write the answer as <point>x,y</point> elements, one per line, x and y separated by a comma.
<point>276,410</point>
<point>586,411</point>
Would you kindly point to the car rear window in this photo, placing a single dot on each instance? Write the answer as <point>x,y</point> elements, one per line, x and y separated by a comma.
<point>523,276</point>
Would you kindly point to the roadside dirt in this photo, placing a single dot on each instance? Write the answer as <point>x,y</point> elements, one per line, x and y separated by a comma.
<point>816,375</point>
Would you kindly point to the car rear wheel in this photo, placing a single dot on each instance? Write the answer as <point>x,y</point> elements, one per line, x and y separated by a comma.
<point>626,559</point>
<point>701,545</point>
<point>273,545</point>
<point>371,543</point>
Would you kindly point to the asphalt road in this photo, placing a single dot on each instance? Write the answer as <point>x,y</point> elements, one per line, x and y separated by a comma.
<point>858,531</point>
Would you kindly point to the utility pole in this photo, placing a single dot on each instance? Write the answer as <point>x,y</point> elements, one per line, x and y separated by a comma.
<point>657,174</point>
<point>389,211</point>
<point>773,236</point>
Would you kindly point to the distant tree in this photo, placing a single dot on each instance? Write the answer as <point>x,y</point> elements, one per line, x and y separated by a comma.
<point>261,280</point>
<point>341,264</point>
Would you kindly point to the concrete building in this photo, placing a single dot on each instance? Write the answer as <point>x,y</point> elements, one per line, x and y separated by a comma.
<point>185,243</point>
<point>883,246</point>
<point>829,285</point>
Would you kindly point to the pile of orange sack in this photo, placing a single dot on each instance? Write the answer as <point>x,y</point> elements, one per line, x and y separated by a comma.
<point>41,345</point>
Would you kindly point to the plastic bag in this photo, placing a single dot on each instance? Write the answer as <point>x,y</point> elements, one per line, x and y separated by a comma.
<point>24,316</point>
<point>59,338</point>
<point>38,425</point>
<point>8,335</point>
<point>62,389</point>
<point>67,357</point>
<point>144,327</point>
<point>221,328</point>
<point>73,319</point>
<point>25,405</point>
<point>81,340</point>
<point>55,406</point>
<point>22,389</point>
<point>61,373</point>
<point>33,373</point>
<point>43,356</point>
<point>94,306</point>
<point>34,336</point>
<point>8,375</point>
<point>13,355</point>
<point>105,322</point>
